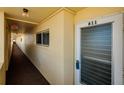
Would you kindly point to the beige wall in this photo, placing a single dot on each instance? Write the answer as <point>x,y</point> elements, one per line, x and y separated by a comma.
<point>68,48</point>
<point>2,47</point>
<point>2,75</point>
<point>93,12</point>
<point>7,44</point>
<point>53,62</point>
<point>5,48</point>
<point>21,41</point>
<point>1,37</point>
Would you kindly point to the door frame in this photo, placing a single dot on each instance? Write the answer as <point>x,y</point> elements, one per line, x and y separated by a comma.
<point>117,45</point>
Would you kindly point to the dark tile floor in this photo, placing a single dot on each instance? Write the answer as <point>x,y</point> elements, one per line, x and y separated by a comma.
<point>21,71</point>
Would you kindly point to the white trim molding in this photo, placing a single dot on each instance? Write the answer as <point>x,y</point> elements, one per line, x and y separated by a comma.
<point>29,22</point>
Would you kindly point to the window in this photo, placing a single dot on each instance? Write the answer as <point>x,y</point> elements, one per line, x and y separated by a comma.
<point>38,38</point>
<point>43,38</point>
<point>46,38</point>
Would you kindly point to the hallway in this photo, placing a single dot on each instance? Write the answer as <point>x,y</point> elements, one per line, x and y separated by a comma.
<point>21,71</point>
<point>61,46</point>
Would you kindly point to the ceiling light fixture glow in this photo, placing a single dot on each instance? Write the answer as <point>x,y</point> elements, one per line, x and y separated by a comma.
<point>25,12</point>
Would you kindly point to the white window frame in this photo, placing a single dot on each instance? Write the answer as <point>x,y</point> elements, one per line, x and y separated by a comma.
<point>117,46</point>
<point>41,32</point>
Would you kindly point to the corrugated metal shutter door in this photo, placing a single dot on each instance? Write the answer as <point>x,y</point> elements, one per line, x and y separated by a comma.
<point>96,55</point>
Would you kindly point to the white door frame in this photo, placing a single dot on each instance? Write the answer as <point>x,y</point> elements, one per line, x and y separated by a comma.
<point>117,46</point>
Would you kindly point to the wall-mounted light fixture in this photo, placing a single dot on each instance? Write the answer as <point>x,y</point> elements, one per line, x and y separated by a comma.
<point>25,12</point>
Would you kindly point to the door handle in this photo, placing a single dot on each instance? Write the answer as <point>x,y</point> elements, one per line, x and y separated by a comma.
<point>77,64</point>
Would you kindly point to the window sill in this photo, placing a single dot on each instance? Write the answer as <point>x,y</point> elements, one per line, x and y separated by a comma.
<point>42,45</point>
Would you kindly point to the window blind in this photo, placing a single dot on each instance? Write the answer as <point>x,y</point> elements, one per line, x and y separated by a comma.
<point>96,55</point>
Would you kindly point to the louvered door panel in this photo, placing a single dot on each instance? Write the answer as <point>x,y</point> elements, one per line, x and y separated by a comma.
<point>96,55</point>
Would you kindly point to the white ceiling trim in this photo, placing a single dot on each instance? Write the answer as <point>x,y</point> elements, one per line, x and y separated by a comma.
<point>56,12</point>
<point>14,19</point>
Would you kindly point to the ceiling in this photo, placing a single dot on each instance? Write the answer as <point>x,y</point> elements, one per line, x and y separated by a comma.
<point>75,9</point>
<point>21,25</point>
<point>36,14</point>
